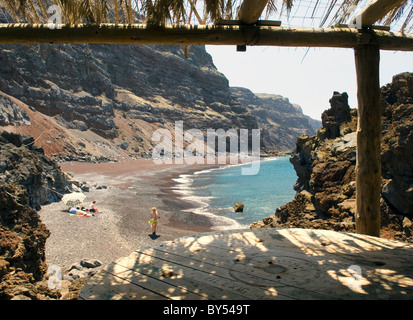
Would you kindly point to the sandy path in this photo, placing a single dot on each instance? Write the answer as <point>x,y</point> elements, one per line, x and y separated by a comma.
<point>133,188</point>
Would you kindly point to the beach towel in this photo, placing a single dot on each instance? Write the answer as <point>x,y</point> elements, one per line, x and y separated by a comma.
<point>87,210</point>
<point>75,213</point>
<point>84,215</point>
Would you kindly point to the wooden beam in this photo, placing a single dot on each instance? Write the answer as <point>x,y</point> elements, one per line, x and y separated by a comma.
<point>267,23</point>
<point>375,10</point>
<point>200,35</point>
<point>250,11</point>
<point>368,165</point>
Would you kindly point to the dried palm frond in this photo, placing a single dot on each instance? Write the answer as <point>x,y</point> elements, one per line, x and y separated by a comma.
<point>163,11</point>
<point>397,13</point>
<point>348,7</point>
<point>409,18</point>
<point>160,12</point>
<point>271,8</point>
<point>345,10</point>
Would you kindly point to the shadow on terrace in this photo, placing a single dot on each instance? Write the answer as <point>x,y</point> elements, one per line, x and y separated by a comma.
<point>261,264</point>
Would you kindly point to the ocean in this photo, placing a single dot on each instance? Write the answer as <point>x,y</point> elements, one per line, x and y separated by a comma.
<point>215,191</point>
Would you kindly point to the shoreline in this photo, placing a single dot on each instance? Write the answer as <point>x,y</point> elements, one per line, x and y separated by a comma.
<point>183,188</point>
<point>125,192</point>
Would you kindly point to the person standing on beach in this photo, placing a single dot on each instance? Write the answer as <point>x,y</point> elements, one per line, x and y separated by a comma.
<point>154,220</point>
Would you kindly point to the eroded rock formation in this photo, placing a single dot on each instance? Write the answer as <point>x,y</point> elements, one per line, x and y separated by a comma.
<point>28,179</point>
<point>325,166</point>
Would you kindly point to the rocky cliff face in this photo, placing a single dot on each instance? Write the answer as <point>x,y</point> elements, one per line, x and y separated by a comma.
<point>325,166</point>
<point>24,164</point>
<point>397,144</point>
<point>280,121</point>
<point>28,179</point>
<point>120,93</point>
<point>113,97</point>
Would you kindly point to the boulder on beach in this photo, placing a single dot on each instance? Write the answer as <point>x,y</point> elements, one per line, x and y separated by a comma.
<point>239,207</point>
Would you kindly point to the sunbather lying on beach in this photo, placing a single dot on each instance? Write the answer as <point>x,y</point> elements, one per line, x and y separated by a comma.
<point>79,212</point>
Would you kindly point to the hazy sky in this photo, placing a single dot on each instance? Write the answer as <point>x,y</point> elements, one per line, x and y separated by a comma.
<point>308,77</point>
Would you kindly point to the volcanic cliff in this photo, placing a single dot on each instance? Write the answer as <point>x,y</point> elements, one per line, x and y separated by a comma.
<point>28,179</point>
<point>325,166</point>
<point>111,98</point>
<point>280,121</point>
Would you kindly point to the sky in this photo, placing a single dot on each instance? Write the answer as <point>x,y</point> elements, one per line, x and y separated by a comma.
<point>307,77</point>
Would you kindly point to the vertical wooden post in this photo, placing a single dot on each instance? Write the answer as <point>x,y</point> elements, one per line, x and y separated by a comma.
<point>368,167</point>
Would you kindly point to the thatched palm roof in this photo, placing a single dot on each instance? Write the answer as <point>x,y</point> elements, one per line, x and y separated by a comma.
<point>322,12</point>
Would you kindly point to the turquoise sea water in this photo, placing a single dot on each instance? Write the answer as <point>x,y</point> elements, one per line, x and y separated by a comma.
<point>214,192</point>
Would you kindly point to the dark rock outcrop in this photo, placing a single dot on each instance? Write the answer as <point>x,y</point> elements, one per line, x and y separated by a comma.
<point>28,179</point>
<point>11,113</point>
<point>397,144</point>
<point>24,164</point>
<point>333,118</point>
<point>325,166</point>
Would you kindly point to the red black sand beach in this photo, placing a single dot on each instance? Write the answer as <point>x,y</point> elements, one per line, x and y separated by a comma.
<point>125,192</point>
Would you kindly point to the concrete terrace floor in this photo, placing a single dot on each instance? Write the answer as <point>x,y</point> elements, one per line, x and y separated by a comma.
<point>260,264</point>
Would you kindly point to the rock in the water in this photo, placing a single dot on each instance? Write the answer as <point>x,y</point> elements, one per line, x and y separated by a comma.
<point>239,207</point>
